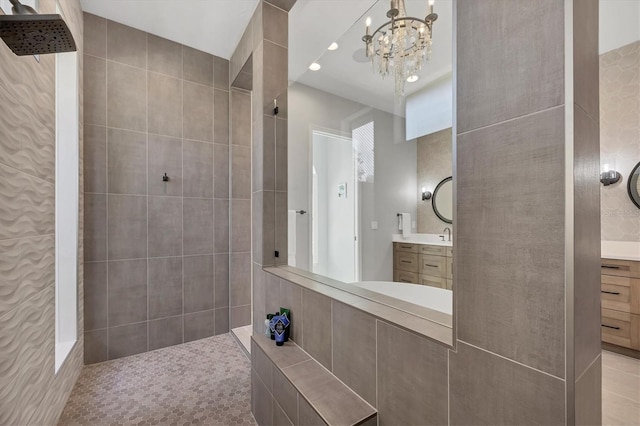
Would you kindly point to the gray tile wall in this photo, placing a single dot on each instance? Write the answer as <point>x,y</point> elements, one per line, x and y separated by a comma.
<point>157,253</point>
<point>517,360</point>
<point>31,392</point>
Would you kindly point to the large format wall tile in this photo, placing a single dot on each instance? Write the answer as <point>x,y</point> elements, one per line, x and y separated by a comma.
<point>221,290</point>
<point>221,225</point>
<point>95,89</point>
<point>95,227</point>
<point>197,66</point>
<point>520,73</point>
<point>198,112</point>
<point>487,390</point>
<point>316,311</point>
<point>126,97</point>
<point>127,227</point>
<point>126,45</point>
<point>240,231</point>
<point>221,171</point>
<point>406,363</point>
<point>198,226</point>
<point>165,105</point>
<point>165,287</point>
<point>127,288</point>
<point>198,169</point>
<point>221,116</point>
<point>165,56</point>
<point>95,293</point>
<point>127,162</point>
<point>240,273</point>
<point>127,340</point>
<point>165,156</point>
<point>354,350</point>
<point>95,159</point>
<point>165,332</point>
<point>165,226</point>
<point>198,325</point>
<point>221,73</point>
<point>512,295</point>
<point>198,283</point>
<point>95,35</point>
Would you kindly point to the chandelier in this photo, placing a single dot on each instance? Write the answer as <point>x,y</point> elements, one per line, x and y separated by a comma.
<point>400,46</point>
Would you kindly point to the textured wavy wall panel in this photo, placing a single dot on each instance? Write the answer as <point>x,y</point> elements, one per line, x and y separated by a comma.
<point>27,266</point>
<point>30,391</point>
<point>26,145</point>
<point>27,205</point>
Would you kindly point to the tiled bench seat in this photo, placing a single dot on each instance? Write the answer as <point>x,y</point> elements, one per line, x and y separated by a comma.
<point>290,387</point>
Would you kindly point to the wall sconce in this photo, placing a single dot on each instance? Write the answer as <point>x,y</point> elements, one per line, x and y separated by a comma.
<point>426,195</point>
<point>608,176</point>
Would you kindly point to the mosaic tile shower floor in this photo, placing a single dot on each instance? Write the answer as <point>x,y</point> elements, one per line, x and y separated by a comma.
<point>206,382</point>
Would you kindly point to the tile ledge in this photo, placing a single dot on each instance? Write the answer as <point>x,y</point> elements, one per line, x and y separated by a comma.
<point>432,329</point>
<point>319,406</point>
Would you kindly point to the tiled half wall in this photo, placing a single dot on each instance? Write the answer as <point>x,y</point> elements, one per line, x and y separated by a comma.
<point>156,252</point>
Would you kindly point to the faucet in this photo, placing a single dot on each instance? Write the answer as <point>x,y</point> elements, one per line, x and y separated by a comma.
<point>448,230</point>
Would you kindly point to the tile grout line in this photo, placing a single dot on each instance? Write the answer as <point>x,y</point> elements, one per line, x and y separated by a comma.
<point>146,75</point>
<point>106,122</point>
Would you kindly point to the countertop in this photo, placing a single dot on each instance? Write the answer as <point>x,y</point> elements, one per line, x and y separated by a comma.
<point>431,239</point>
<point>623,250</point>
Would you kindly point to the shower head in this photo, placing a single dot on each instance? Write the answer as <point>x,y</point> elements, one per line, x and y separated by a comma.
<point>27,33</point>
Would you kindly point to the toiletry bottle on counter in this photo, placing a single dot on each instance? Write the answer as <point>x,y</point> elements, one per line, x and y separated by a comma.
<point>287,312</point>
<point>269,331</point>
<point>279,325</point>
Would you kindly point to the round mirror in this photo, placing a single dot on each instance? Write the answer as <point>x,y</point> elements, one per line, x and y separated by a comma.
<point>443,200</point>
<point>633,185</point>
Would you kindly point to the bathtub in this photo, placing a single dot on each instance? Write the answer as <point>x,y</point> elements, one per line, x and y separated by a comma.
<point>437,299</point>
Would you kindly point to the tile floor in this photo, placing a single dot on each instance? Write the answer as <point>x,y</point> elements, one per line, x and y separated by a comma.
<point>204,382</point>
<point>620,390</point>
<point>208,382</point>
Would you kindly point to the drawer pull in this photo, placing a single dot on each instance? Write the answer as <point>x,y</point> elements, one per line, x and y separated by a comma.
<point>615,293</point>
<point>610,267</point>
<point>406,261</point>
<point>406,247</point>
<point>431,266</point>
<point>611,326</point>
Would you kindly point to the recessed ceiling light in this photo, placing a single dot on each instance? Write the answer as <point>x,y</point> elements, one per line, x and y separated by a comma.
<point>314,66</point>
<point>334,46</point>
<point>413,78</point>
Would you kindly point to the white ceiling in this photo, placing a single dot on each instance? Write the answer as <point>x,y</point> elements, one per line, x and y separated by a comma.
<point>314,25</point>
<point>619,23</point>
<point>213,26</point>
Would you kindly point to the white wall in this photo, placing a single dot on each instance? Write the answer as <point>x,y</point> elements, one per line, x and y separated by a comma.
<point>431,109</point>
<point>395,173</point>
<point>619,23</point>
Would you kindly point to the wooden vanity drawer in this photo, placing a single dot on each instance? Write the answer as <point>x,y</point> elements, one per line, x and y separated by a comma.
<point>449,252</point>
<point>433,281</point>
<point>407,247</point>
<point>434,250</point>
<point>405,277</point>
<point>621,328</point>
<point>434,266</point>
<point>406,261</point>
<point>620,293</point>
<point>620,268</point>
<point>450,268</point>
<point>449,284</point>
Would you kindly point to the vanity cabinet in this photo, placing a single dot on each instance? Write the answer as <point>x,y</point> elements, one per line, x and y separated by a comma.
<point>620,303</point>
<point>423,264</point>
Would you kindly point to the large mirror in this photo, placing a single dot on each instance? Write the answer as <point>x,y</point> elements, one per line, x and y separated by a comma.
<point>370,193</point>
<point>633,185</point>
<point>443,200</point>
